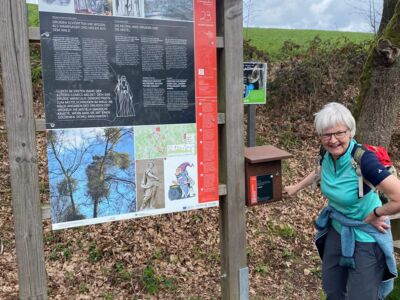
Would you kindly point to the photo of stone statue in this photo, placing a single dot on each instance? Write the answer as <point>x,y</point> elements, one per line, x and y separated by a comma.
<point>150,185</point>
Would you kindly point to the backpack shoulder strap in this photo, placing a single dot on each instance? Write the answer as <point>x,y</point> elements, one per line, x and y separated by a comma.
<point>322,152</point>
<point>357,154</point>
<point>356,163</point>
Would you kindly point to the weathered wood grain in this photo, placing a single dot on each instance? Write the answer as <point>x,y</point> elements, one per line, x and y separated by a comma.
<point>34,34</point>
<point>17,88</point>
<point>232,209</point>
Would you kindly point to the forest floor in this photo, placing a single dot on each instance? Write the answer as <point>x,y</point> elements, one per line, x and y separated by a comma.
<point>177,256</point>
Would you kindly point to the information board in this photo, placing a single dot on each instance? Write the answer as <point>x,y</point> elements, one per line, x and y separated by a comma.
<point>130,94</point>
<point>254,82</point>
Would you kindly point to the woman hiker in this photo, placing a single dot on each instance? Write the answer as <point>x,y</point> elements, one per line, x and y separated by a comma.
<point>354,238</point>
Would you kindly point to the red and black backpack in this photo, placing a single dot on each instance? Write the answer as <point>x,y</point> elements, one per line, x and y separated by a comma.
<point>381,154</point>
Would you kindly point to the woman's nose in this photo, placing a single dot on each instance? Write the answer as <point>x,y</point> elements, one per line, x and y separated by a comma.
<point>333,136</point>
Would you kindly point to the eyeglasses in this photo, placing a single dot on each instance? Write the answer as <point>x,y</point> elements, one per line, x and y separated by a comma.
<point>338,135</point>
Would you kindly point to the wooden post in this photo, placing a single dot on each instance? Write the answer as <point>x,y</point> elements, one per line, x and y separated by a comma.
<point>232,206</point>
<point>18,102</point>
<point>251,125</point>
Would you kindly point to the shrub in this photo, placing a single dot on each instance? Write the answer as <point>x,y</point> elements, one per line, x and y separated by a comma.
<point>252,53</point>
<point>328,71</point>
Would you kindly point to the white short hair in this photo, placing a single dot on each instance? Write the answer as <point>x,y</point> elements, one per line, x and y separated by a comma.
<point>334,114</point>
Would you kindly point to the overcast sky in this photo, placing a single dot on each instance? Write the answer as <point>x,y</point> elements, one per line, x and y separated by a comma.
<point>341,15</point>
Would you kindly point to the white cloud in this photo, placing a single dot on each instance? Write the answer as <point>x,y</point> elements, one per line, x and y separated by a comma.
<point>356,26</point>
<point>320,7</point>
<point>311,14</point>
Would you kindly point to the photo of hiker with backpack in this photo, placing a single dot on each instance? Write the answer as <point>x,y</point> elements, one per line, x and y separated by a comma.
<point>353,239</point>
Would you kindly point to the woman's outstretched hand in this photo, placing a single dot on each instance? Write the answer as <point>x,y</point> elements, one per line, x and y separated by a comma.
<point>289,190</point>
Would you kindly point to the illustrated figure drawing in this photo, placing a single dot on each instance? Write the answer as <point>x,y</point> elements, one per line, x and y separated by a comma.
<point>124,98</point>
<point>185,182</point>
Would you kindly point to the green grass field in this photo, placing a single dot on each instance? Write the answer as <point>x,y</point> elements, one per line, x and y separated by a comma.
<point>33,15</point>
<point>267,39</point>
<point>272,40</point>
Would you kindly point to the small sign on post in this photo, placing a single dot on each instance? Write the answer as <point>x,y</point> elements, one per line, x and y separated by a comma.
<point>254,82</point>
<point>254,92</point>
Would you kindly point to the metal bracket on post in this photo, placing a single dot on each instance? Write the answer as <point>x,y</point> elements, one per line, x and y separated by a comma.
<point>244,283</point>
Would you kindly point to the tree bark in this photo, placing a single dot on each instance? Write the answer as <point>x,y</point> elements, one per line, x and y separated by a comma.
<point>95,204</point>
<point>377,106</point>
<point>387,13</point>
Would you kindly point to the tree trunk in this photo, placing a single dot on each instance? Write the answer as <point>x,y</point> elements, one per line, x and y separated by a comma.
<point>71,196</point>
<point>95,204</point>
<point>377,106</point>
<point>387,13</point>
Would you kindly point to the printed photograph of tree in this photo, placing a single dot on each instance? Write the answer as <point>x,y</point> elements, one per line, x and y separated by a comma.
<point>91,173</point>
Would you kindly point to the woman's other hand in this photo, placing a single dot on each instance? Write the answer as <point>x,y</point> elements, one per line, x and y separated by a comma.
<point>378,223</point>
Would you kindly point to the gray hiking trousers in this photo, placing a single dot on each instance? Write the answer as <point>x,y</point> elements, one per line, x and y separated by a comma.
<point>342,283</point>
